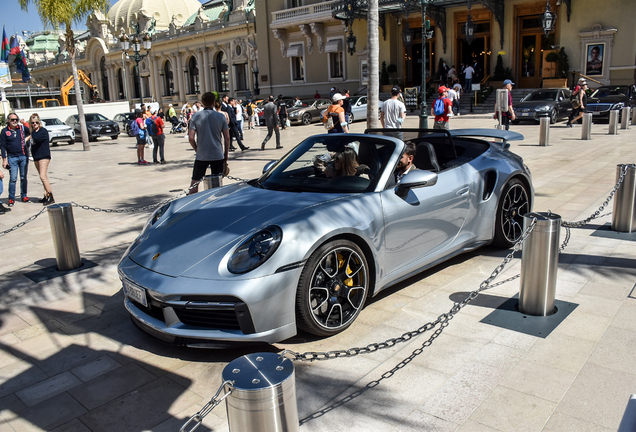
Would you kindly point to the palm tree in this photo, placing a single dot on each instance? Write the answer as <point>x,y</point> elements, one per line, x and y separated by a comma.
<point>373,44</point>
<point>56,13</point>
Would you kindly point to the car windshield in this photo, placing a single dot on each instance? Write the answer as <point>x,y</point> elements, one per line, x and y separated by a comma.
<point>541,95</point>
<point>95,117</point>
<point>52,121</point>
<point>611,91</point>
<point>308,102</point>
<point>331,164</point>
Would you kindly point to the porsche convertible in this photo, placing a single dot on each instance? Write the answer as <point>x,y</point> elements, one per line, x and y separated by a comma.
<point>303,246</point>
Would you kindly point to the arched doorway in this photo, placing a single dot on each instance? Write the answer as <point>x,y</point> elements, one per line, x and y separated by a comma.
<point>222,75</point>
<point>104,76</point>
<point>168,79</point>
<point>193,76</point>
<point>479,50</point>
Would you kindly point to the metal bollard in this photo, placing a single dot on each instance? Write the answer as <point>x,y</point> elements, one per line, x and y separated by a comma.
<point>624,214</point>
<point>64,236</point>
<point>613,122</point>
<point>628,422</point>
<point>544,131</point>
<point>625,114</point>
<point>212,181</point>
<point>586,132</point>
<point>634,116</point>
<point>263,395</point>
<point>539,263</point>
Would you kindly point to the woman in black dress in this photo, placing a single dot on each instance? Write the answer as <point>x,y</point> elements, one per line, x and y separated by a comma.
<point>41,153</point>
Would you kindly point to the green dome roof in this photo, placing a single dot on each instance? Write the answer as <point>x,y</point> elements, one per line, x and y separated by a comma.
<point>213,13</point>
<point>43,42</point>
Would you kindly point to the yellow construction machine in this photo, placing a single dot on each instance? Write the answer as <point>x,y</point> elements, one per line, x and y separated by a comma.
<point>69,83</point>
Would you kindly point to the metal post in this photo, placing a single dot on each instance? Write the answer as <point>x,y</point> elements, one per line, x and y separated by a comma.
<point>613,122</point>
<point>634,116</point>
<point>423,113</point>
<point>539,263</point>
<point>212,181</point>
<point>628,422</point>
<point>624,214</point>
<point>625,117</point>
<point>586,132</point>
<point>502,105</point>
<point>544,131</point>
<point>263,395</point>
<point>64,236</point>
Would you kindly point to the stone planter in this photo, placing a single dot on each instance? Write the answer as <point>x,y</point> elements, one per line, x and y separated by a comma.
<point>554,82</point>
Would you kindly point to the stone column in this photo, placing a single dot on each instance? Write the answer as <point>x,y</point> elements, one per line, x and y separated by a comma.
<point>230,69</point>
<point>153,78</point>
<point>180,77</point>
<point>206,71</point>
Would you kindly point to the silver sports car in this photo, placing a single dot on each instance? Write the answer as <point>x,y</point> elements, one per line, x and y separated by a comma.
<point>324,228</point>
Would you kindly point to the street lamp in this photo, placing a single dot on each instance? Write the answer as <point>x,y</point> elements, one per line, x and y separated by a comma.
<point>351,42</point>
<point>549,18</point>
<point>257,91</point>
<point>470,30</point>
<point>425,28</point>
<point>125,43</point>
<point>407,36</point>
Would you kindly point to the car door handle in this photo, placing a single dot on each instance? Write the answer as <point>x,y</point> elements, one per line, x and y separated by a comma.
<point>462,191</point>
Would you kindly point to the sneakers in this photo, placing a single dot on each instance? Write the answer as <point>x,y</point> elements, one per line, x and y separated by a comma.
<point>143,162</point>
<point>48,199</point>
<point>11,203</point>
<point>25,199</point>
<point>162,162</point>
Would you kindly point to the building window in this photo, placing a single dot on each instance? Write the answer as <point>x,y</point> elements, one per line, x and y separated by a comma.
<point>193,76</point>
<point>104,76</point>
<point>296,55</point>
<point>222,76</point>
<point>240,74</point>
<point>294,3</point>
<point>334,50</point>
<point>168,79</point>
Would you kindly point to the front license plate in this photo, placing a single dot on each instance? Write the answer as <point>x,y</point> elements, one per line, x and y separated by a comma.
<point>107,130</point>
<point>135,293</point>
<point>525,114</point>
<point>595,113</point>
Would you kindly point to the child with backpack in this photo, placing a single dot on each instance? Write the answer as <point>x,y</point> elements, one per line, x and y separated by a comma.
<point>155,126</point>
<point>138,130</point>
<point>441,108</point>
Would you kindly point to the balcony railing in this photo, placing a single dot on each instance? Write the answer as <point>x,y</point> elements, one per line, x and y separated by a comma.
<point>305,13</point>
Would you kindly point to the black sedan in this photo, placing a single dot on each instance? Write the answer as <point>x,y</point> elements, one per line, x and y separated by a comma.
<point>124,120</point>
<point>96,124</point>
<point>607,98</point>
<point>553,103</point>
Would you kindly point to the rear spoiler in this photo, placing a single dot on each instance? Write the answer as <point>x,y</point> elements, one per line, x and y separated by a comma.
<point>488,133</point>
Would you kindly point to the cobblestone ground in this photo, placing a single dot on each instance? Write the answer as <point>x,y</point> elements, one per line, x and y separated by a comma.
<point>71,360</point>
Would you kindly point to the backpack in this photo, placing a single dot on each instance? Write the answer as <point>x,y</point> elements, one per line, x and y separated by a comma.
<point>575,101</point>
<point>151,126</point>
<point>327,120</point>
<point>134,128</point>
<point>249,110</point>
<point>439,108</point>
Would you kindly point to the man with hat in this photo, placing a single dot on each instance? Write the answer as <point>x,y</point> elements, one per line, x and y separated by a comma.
<point>332,92</point>
<point>441,108</point>
<point>581,98</point>
<point>172,115</point>
<point>393,111</point>
<point>509,115</point>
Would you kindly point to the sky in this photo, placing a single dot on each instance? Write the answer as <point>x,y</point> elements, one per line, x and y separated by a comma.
<point>16,20</point>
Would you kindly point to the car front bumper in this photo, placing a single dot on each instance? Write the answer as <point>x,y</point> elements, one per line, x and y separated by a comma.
<point>196,312</point>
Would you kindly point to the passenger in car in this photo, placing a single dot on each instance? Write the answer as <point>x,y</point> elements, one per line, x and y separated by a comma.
<point>345,163</point>
<point>405,164</point>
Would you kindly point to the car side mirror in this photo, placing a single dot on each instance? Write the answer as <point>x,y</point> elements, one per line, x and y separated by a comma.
<point>416,179</point>
<point>268,165</point>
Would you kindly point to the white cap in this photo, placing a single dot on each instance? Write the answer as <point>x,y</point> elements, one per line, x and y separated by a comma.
<point>169,105</point>
<point>152,111</point>
<point>336,97</point>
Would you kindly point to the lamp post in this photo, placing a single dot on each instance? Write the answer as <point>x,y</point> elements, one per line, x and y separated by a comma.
<point>470,30</point>
<point>351,41</point>
<point>548,19</point>
<point>257,90</point>
<point>423,113</point>
<point>125,43</point>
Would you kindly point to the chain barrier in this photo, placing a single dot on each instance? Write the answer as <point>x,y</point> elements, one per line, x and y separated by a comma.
<point>21,224</point>
<point>213,403</point>
<point>441,320</point>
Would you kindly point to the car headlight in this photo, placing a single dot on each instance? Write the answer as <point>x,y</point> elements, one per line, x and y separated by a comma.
<point>294,114</point>
<point>543,108</point>
<point>255,250</point>
<point>618,105</point>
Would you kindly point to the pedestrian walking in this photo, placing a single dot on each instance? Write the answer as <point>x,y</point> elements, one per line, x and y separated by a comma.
<point>282,112</point>
<point>41,153</point>
<point>580,104</point>
<point>346,106</point>
<point>441,108</point>
<point>454,98</point>
<point>509,115</point>
<point>393,112</point>
<point>270,112</point>
<point>209,136</point>
<point>458,90</point>
<point>251,113</point>
<point>3,209</point>
<point>139,131</point>
<point>15,155</point>
<point>468,74</point>
<point>234,130</point>
<point>157,126</point>
<point>239,117</point>
<point>336,113</point>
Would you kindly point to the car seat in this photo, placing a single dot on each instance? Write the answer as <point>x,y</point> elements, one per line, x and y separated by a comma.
<point>425,157</point>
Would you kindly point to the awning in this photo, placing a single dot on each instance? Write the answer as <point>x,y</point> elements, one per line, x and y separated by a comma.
<point>295,51</point>
<point>334,45</point>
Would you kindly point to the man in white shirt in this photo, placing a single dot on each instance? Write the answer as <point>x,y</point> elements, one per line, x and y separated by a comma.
<point>239,116</point>
<point>469,78</point>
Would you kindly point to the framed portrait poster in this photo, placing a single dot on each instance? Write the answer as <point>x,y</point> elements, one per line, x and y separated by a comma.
<point>595,54</point>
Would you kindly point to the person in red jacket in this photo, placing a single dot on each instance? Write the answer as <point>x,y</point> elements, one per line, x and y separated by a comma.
<point>441,119</point>
<point>159,138</point>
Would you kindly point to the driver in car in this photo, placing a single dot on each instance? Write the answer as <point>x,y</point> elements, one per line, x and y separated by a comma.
<point>405,164</point>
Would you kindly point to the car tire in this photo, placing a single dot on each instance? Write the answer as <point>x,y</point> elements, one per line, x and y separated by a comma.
<point>306,119</point>
<point>514,202</point>
<point>329,299</point>
<point>514,122</point>
<point>553,116</point>
<point>114,137</point>
<point>351,118</point>
<point>71,142</point>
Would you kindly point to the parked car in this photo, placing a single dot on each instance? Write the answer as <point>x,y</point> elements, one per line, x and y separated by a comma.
<point>607,98</point>
<point>124,120</point>
<point>308,112</point>
<point>551,102</point>
<point>359,108</point>
<point>58,131</point>
<point>295,249</point>
<point>97,125</point>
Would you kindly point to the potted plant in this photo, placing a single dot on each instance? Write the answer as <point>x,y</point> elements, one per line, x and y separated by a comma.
<point>554,58</point>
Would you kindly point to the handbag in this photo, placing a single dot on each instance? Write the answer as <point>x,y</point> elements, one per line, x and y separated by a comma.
<point>576,103</point>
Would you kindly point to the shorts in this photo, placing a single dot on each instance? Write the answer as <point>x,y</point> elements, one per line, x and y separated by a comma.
<point>141,141</point>
<point>441,125</point>
<point>200,167</point>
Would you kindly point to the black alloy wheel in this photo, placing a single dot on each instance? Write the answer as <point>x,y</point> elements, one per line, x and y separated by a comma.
<point>332,288</point>
<point>351,118</point>
<point>306,119</point>
<point>553,116</point>
<point>513,204</point>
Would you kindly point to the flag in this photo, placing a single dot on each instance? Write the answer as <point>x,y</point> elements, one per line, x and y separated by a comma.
<point>4,51</point>
<point>20,60</point>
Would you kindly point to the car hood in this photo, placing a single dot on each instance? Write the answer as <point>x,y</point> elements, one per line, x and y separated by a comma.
<point>100,123</point>
<point>200,231</point>
<point>57,127</point>
<point>533,104</point>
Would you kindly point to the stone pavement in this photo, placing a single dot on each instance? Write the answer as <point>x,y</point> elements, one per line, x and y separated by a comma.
<point>71,360</point>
